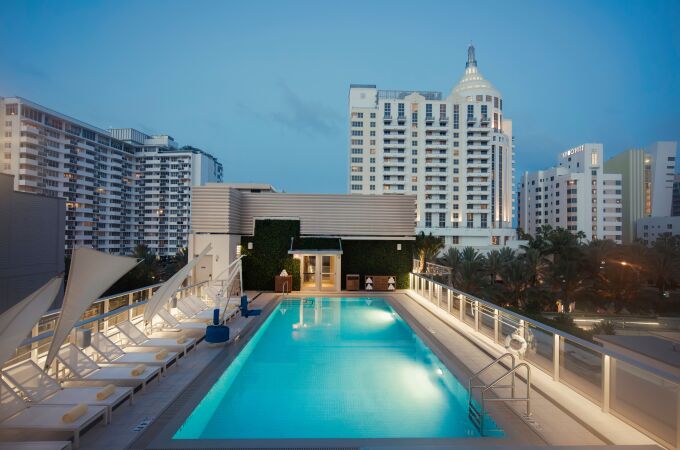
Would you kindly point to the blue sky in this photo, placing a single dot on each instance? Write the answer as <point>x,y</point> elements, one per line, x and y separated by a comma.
<point>263,85</point>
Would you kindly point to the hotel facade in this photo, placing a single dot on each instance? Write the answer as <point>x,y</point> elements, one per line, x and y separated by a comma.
<point>122,188</point>
<point>576,194</point>
<point>647,175</point>
<point>454,153</point>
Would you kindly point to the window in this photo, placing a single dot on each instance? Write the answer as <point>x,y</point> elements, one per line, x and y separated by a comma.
<point>442,111</point>
<point>372,115</point>
<point>470,220</point>
<point>357,133</point>
<point>428,220</point>
<point>372,160</point>
<point>357,124</point>
<point>372,124</point>
<point>357,151</point>
<point>414,151</point>
<point>401,110</point>
<point>356,187</point>
<point>388,109</point>
<point>371,169</point>
<point>12,109</point>
<point>442,220</point>
<point>593,159</point>
<point>372,187</point>
<point>456,118</point>
<point>357,160</point>
<point>360,115</point>
<point>470,112</point>
<point>414,117</point>
<point>484,111</point>
<point>357,177</point>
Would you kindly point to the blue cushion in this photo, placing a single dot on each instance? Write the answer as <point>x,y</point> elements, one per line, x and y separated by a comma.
<point>216,334</point>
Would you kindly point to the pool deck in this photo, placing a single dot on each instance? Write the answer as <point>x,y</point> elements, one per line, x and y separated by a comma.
<point>157,413</point>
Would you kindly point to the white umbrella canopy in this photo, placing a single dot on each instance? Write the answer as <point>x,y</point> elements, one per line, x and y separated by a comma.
<point>165,292</point>
<point>92,273</point>
<point>16,322</point>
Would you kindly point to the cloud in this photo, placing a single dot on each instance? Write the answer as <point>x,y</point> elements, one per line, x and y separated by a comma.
<point>301,115</point>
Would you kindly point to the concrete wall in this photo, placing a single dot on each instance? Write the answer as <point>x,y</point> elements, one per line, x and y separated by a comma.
<point>31,241</point>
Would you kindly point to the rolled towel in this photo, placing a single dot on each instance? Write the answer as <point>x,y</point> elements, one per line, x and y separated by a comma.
<point>74,413</point>
<point>161,355</point>
<point>105,393</point>
<point>138,370</point>
<point>181,339</point>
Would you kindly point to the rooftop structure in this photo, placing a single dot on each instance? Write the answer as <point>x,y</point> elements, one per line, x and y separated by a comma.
<point>31,242</point>
<point>454,153</point>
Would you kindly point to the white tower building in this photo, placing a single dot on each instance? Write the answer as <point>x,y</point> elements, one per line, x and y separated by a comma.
<point>455,153</point>
<point>576,195</point>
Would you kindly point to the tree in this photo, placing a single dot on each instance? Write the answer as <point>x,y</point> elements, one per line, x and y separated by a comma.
<point>472,268</point>
<point>451,259</point>
<point>494,264</point>
<point>663,261</point>
<point>516,281</point>
<point>535,264</point>
<point>427,247</point>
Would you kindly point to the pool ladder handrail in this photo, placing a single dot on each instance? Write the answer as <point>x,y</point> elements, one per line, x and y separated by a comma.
<point>477,415</point>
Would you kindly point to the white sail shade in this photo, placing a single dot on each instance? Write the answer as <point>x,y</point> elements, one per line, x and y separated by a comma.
<point>168,289</point>
<point>17,322</point>
<point>91,274</point>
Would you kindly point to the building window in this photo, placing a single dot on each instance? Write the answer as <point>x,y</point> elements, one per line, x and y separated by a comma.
<point>356,187</point>
<point>12,109</point>
<point>357,160</point>
<point>470,112</point>
<point>442,220</point>
<point>456,118</point>
<point>428,220</point>
<point>388,109</point>
<point>401,111</point>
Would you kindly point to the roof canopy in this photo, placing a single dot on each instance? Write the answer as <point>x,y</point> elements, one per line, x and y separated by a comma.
<point>307,245</point>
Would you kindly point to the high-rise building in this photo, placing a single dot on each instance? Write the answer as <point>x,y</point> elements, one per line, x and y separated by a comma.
<point>675,207</point>
<point>103,177</point>
<point>647,176</point>
<point>455,153</point>
<point>576,194</point>
<point>166,174</point>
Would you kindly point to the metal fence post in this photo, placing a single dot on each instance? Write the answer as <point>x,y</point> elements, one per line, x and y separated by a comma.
<point>606,382</point>
<point>461,310</point>
<point>556,358</point>
<point>429,290</point>
<point>496,326</point>
<point>448,299</point>
<point>475,311</point>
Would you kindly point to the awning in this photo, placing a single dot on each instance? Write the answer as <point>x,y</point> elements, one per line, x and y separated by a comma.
<point>16,323</point>
<point>91,274</point>
<point>315,245</point>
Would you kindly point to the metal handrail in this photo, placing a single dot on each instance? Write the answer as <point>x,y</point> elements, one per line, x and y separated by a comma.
<point>476,375</point>
<point>512,398</point>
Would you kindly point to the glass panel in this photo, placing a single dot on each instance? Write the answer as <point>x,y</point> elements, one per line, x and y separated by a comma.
<point>581,368</point>
<point>327,272</point>
<point>455,304</point>
<point>645,399</point>
<point>486,321</point>
<point>508,324</point>
<point>309,271</point>
<point>540,348</point>
<point>469,316</point>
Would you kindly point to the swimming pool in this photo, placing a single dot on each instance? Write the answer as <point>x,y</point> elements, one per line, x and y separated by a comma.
<point>333,368</point>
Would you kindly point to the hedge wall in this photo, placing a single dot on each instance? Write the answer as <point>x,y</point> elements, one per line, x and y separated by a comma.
<point>269,255</point>
<point>377,258</point>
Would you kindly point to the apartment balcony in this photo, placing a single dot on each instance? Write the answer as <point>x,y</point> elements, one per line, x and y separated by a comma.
<point>429,118</point>
<point>443,119</point>
<point>387,118</point>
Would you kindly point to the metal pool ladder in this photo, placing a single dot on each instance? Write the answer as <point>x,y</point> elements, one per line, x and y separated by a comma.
<point>475,412</point>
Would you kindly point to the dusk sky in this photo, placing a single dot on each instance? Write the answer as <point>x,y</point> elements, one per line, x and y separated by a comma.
<point>264,85</point>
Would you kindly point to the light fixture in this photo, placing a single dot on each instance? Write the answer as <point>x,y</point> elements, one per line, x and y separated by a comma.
<point>398,247</point>
<point>250,245</point>
<point>239,249</point>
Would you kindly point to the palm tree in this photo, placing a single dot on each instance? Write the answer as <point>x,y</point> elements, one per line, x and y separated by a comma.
<point>451,259</point>
<point>535,264</point>
<point>516,281</point>
<point>663,261</point>
<point>494,264</point>
<point>427,248</point>
<point>472,269</point>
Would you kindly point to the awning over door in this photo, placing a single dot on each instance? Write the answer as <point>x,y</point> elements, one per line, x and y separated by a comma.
<point>315,245</point>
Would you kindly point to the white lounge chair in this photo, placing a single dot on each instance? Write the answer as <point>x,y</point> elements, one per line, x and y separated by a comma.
<point>111,353</point>
<point>84,370</point>
<point>136,338</point>
<point>187,306</point>
<point>172,324</point>
<point>15,414</point>
<point>41,388</point>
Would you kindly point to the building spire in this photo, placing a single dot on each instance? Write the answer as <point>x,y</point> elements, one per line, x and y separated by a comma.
<point>471,61</point>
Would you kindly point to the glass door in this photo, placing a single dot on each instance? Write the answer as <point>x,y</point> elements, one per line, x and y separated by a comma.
<point>328,272</point>
<point>309,272</point>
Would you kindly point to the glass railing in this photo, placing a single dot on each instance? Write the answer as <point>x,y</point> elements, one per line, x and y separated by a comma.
<point>104,314</point>
<point>646,397</point>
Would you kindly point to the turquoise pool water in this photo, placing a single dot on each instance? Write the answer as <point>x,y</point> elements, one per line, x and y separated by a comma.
<point>333,368</point>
